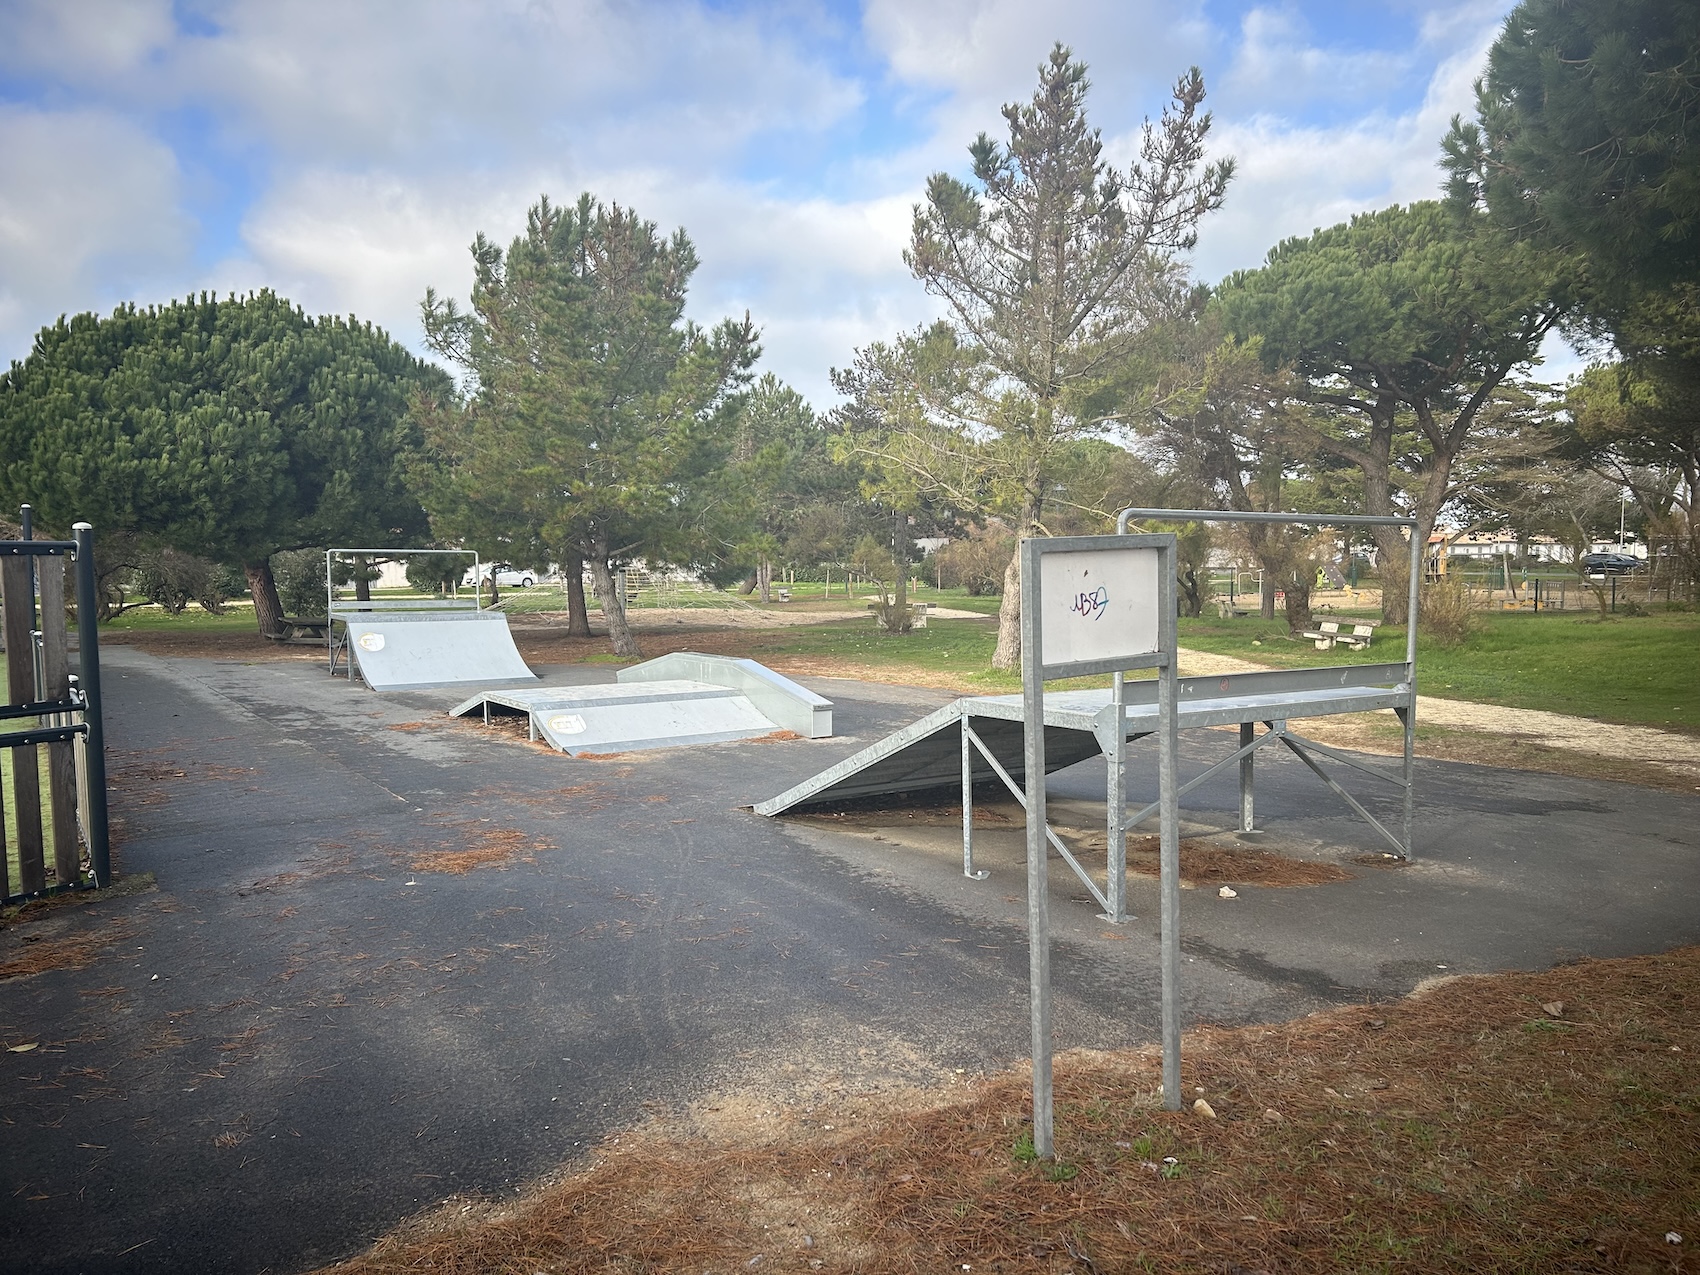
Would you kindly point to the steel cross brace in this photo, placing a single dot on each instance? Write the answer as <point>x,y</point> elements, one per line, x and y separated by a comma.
<point>1301,748</point>
<point>969,736</point>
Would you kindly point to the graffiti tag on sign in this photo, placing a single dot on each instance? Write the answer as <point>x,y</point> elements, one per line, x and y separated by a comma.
<point>1090,606</point>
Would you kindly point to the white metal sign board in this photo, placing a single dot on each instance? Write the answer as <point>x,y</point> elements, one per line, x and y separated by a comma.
<point>1099,605</point>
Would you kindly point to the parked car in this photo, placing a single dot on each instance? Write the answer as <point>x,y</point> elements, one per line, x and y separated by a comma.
<point>507,577</point>
<point>1611,564</point>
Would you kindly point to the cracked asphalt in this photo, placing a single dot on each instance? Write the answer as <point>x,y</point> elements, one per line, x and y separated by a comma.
<point>307,1032</point>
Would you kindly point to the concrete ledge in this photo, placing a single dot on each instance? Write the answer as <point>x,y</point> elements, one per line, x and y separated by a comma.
<point>790,706</point>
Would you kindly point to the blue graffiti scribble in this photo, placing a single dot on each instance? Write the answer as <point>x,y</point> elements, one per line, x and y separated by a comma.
<point>1091,605</point>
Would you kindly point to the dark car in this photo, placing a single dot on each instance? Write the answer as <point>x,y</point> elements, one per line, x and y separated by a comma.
<point>1611,564</point>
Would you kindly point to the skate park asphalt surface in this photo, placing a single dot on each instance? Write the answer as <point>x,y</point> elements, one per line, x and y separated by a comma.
<point>305,1034</point>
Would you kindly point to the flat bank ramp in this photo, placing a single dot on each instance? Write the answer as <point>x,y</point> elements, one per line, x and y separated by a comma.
<point>653,706</point>
<point>415,651</point>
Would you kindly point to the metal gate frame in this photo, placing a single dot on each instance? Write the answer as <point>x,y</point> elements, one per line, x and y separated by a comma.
<point>72,717</point>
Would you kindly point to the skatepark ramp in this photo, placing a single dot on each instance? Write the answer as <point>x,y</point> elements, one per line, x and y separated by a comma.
<point>413,645</point>
<point>972,740</point>
<point>678,699</point>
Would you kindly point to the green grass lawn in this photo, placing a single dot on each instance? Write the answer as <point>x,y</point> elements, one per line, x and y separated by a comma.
<point>1637,669</point>
<point>1643,670</point>
<point>10,825</point>
<point>237,617</point>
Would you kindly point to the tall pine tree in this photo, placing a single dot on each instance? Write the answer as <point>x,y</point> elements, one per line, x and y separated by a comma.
<point>596,419</point>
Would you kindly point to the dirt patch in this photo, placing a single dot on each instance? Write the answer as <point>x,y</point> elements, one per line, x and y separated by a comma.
<point>1508,1122</point>
<point>1381,734</point>
<point>479,846</point>
<point>148,778</point>
<point>212,644</point>
<point>1204,863</point>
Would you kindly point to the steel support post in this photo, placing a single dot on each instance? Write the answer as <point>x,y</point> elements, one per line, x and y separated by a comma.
<point>88,685</point>
<point>1169,844</point>
<point>1408,717</point>
<point>968,804</point>
<point>1248,779</point>
<point>1038,884</point>
<point>1115,827</point>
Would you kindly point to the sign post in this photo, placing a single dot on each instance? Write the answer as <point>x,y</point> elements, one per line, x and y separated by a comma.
<point>1097,604</point>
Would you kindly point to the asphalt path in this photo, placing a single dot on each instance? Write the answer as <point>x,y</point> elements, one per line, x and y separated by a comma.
<point>305,1034</point>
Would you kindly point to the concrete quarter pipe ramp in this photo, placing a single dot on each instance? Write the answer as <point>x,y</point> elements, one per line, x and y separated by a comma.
<point>684,698</point>
<point>411,650</point>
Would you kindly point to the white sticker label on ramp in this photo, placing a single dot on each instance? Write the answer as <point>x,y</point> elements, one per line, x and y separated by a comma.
<point>371,641</point>
<point>566,724</point>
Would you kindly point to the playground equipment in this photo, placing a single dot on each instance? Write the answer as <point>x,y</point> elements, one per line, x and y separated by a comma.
<point>411,644</point>
<point>678,699</point>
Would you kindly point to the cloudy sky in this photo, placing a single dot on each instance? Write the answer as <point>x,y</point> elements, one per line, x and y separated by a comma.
<point>345,153</point>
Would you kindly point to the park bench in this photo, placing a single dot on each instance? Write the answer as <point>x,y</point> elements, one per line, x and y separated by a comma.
<point>300,630</point>
<point>1229,610</point>
<point>1327,634</point>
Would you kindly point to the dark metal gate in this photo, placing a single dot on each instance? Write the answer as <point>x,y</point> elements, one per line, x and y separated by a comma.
<point>52,749</point>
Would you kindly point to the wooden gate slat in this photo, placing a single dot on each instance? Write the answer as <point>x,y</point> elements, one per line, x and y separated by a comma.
<point>16,606</point>
<point>56,684</point>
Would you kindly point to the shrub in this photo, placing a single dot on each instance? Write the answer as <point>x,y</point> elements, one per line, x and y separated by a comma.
<point>976,565</point>
<point>1444,612</point>
<point>174,579</point>
<point>300,577</point>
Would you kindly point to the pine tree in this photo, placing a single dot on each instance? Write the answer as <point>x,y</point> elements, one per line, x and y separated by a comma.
<point>1052,264</point>
<point>227,428</point>
<point>597,418</point>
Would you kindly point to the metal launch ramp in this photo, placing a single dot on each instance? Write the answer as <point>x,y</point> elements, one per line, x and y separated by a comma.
<point>403,646</point>
<point>683,698</point>
<point>971,740</point>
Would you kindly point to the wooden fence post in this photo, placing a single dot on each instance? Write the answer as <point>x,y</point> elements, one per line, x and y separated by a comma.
<point>17,607</point>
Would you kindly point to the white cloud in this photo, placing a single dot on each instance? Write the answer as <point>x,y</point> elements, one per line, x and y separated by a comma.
<point>819,277</point>
<point>1292,180</point>
<point>379,140</point>
<point>89,208</point>
<point>1275,66</point>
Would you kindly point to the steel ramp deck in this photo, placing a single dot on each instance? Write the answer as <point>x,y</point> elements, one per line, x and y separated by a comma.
<point>1079,724</point>
<point>419,649</point>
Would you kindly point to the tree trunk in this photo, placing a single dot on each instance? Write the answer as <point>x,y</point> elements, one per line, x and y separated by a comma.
<point>268,609</point>
<point>1266,595</point>
<point>613,607</point>
<point>362,585</point>
<point>764,577</point>
<point>1394,567</point>
<point>1008,653</point>
<point>1298,588</point>
<point>578,614</point>
<point>900,564</point>
<point>748,586</point>
<point>1192,596</point>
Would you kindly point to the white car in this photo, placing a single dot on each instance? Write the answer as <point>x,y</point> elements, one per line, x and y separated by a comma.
<point>507,577</point>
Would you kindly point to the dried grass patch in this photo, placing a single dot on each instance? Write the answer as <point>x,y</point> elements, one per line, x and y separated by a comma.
<point>480,847</point>
<point>1509,1122</point>
<point>31,954</point>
